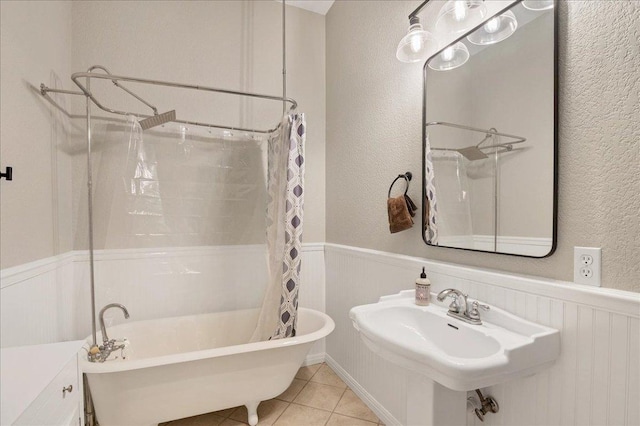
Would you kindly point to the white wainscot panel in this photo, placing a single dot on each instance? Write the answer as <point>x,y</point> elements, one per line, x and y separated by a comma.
<point>595,381</point>
<point>49,300</point>
<point>37,302</point>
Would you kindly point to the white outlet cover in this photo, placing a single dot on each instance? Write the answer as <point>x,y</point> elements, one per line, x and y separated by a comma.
<point>587,274</point>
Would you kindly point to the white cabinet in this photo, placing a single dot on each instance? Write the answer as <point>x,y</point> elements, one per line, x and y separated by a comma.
<point>42,385</point>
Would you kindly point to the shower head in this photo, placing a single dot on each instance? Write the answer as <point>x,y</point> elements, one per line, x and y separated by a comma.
<point>472,153</point>
<point>158,119</point>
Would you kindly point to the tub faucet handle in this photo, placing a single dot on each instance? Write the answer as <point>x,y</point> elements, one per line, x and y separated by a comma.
<point>108,345</point>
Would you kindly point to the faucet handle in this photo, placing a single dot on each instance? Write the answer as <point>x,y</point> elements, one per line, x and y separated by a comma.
<point>454,306</point>
<point>474,313</point>
<point>477,305</point>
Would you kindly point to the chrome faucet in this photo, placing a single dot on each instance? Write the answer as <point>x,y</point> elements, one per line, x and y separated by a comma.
<point>102,352</point>
<point>460,308</point>
<point>103,329</point>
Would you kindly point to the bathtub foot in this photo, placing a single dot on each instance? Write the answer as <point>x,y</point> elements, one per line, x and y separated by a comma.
<point>252,412</point>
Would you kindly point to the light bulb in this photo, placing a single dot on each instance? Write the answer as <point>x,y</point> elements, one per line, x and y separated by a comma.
<point>492,25</point>
<point>538,5</point>
<point>495,29</point>
<point>415,44</point>
<point>450,58</point>
<point>447,54</point>
<point>459,10</point>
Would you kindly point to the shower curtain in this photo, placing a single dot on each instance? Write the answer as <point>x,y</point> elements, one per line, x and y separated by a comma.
<point>431,199</point>
<point>285,187</point>
<point>454,204</point>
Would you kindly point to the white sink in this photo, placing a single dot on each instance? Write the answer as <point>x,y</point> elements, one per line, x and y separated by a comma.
<point>457,355</point>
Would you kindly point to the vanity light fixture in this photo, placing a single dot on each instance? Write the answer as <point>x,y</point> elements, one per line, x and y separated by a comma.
<point>457,16</point>
<point>417,45</point>
<point>454,17</point>
<point>538,4</point>
<point>452,57</point>
<point>495,29</point>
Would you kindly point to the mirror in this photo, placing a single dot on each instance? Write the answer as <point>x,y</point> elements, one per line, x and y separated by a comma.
<point>489,137</point>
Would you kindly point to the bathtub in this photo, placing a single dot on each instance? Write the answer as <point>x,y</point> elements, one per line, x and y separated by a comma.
<point>184,366</point>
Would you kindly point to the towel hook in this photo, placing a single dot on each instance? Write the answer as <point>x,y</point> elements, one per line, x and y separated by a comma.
<point>8,173</point>
<point>407,178</point>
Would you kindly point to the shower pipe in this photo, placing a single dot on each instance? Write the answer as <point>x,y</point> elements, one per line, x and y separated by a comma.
<point>115,79</point>
<point>284,58</point>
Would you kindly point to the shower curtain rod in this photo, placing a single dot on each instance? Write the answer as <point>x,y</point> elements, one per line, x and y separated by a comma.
<point>488,132</point>
<point>116,79</point>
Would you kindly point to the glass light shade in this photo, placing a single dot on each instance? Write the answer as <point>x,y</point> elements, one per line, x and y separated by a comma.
<point>538,4</point>
<point>416,46</point>
<point>495,29</point>
<point>457,16</point>
<point>452,57</point>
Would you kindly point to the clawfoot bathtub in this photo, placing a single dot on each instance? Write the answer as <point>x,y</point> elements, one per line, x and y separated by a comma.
<point>184,366</point>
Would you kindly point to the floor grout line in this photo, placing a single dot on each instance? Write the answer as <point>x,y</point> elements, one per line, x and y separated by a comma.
<point>290,403</point>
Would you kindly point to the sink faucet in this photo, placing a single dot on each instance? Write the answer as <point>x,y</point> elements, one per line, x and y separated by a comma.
<point>460,308</point>
<point>102,352</point>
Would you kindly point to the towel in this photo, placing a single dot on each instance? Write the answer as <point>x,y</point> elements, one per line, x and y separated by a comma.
<point>411,206</point>
<point>399,217</point>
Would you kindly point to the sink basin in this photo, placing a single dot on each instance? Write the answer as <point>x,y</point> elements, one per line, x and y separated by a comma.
<point>457,355</point>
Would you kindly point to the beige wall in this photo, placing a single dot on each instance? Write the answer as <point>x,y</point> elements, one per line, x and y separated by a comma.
<point>234,45</point>
<point>35,208</point>
<point>373,133</point>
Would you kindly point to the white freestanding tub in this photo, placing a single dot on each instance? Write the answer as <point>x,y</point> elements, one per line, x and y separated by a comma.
<point>184,366</point>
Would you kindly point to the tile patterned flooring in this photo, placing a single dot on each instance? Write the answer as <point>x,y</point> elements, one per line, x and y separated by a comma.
<point>317,396</point>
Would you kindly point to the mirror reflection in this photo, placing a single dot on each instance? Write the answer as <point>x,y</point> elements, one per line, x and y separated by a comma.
<point>490,137</point>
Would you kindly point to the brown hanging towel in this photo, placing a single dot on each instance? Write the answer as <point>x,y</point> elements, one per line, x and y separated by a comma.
<point>400,209</point>
<point>411,206</point>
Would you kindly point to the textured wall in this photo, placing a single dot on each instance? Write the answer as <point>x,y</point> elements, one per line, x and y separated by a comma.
<point>35,213</point>
<point>373,133</point>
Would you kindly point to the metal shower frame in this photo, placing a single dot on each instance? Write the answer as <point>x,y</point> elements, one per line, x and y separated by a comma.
<point>85,90</point>
<point>505,147</point>
<point>116,79</point>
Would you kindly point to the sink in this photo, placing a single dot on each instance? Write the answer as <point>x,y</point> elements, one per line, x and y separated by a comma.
<point>457,355</point>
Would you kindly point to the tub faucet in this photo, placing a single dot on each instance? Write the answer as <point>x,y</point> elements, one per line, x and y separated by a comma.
<point>103,329</point>
<point>102,352</point>
<point>460,308</point>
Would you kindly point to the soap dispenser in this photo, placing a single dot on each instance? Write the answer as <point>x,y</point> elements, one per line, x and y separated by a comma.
<point>423,290</point>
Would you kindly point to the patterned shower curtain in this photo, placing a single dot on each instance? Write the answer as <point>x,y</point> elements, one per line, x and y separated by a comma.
<point>285,186</point>
<point>431,199</point>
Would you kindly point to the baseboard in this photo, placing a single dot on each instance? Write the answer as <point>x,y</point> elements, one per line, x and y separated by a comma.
<point>382,413</point>
<point>314,359</point>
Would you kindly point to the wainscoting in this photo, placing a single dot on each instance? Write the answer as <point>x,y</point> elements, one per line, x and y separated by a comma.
<point>596,381</point>
<point>37,302</point>
<point>48,300</point>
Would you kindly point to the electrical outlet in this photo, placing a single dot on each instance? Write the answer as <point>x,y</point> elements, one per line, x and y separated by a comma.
<point>586,259</point>
<point>587,265</point>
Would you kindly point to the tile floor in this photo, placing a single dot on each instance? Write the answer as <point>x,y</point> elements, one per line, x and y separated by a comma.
<point>317,396</point>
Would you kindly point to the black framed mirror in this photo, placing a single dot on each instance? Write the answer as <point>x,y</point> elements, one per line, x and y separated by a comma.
<point>490,136</point>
